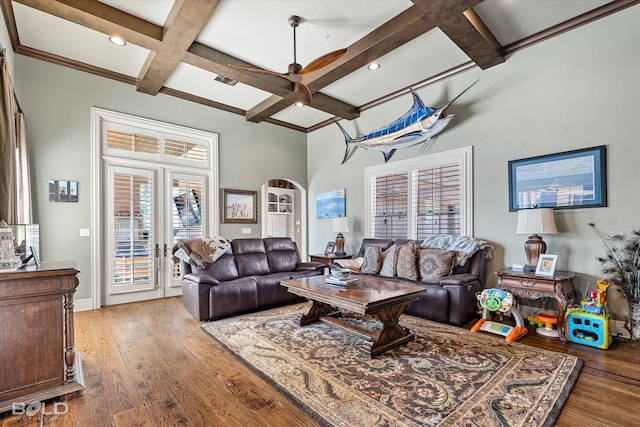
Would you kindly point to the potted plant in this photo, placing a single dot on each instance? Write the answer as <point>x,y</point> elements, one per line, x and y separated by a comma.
<point>621,265</point>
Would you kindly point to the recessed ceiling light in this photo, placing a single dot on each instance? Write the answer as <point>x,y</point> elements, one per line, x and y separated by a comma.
<point>117,41</point>
<point>373,66</point>
<point>299,104</point>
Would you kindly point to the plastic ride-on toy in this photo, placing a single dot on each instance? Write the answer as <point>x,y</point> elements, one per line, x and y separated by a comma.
<point>493,300</point>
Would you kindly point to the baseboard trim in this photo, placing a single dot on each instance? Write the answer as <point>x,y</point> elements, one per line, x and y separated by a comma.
<point>84,304</point>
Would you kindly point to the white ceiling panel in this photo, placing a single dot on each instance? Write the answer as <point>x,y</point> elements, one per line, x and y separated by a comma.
<point>48,33</point>
<point>154,11</point>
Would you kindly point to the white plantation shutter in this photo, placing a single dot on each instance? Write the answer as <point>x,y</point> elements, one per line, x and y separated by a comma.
<point>438,193</point>
<point>389,205</point>
<point>421,197</point>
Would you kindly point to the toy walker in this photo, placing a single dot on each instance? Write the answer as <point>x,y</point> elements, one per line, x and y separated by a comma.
<point>493,300</point>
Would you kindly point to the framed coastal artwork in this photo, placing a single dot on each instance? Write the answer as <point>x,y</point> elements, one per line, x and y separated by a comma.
<point>567,180</point>
<point>239,206</point>
<point>330,204</point>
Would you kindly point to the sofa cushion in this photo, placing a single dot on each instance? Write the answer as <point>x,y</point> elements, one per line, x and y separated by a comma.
<point>389,261</point>
<point>435,263</point>
<point>282,254</point>
<point>372,260</point>
<point>406,266</point>
<point>251,257</point>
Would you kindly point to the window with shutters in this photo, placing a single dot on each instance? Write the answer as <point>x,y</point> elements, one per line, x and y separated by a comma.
<point>421,197</point>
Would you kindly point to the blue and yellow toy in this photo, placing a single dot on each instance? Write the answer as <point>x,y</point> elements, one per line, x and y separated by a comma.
<point>590,323</point>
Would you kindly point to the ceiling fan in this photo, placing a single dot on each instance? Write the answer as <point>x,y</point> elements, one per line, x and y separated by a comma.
<point>296,71</point>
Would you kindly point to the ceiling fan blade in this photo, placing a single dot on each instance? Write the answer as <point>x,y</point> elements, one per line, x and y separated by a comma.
<point>304,91</point>
<point>323,61</point>
<point>257,70</point>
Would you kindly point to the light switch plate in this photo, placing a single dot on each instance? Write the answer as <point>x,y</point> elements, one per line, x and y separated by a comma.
<point>246,231</point>
<point>85,232</point>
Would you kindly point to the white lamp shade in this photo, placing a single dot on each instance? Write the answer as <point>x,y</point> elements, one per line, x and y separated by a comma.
<point>536,221</point>
<point>340,225</point>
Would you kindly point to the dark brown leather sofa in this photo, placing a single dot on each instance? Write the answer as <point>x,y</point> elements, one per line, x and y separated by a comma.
<point>246,279</point>
<point>453,298</point>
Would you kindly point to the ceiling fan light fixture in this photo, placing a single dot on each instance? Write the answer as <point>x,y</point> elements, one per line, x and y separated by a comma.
<point>117,41</point>
<point>299,104</point>
<point>373,66</point>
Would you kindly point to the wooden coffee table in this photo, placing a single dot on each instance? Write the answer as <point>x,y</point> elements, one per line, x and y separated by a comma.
<point>384,300</point>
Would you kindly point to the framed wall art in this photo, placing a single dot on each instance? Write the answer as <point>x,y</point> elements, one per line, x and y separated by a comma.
<point>571,179</point>
<point>330,204</point>
<point>63,191</point>
<point>239,206</point>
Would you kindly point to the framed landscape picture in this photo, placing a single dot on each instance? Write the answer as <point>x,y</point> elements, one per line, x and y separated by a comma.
<point>239,206</point>
<point>330,204</point>
<point>571,179</point>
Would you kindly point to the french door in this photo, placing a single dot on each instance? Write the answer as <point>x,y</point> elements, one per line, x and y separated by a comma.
<point>149,208</point>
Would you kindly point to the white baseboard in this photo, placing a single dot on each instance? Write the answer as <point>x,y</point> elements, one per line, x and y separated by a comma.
<point>83,304</point>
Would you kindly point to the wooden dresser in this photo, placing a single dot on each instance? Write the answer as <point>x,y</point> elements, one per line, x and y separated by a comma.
<point>38,360</point>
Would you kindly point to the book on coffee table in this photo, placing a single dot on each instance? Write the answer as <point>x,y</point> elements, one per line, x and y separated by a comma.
<point>341,282</point>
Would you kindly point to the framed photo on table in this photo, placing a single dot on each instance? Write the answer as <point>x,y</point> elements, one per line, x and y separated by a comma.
<point>546,265</point>
<point>331,246</point>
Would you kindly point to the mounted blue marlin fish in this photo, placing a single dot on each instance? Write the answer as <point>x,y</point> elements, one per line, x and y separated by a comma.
<point>418,125</point>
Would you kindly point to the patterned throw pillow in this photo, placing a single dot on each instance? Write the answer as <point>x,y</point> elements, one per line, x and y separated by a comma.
<point>406,261</point>
<point>372,260</point>
<point>435,263</point>
<point>389,261</point>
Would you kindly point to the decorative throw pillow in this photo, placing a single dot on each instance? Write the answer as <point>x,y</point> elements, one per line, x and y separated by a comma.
<point>389,261</point>
<point>435,263</point>
<point>406,261</point>
<point>372,260</point>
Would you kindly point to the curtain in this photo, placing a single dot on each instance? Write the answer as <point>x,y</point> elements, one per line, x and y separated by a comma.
<point>15,193</point>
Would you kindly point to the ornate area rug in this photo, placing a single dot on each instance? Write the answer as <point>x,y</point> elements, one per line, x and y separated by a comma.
<point>447,376</point>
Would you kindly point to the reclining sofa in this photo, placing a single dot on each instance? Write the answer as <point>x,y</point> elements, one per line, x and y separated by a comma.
<point>246,278</point>
<point>449,298</point>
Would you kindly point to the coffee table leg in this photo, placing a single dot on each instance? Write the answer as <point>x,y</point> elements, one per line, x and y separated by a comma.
<point>390,335</point>
<point>316,311</point>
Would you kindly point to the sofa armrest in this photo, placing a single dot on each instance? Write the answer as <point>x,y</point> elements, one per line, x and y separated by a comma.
<point>310,266</point>
<point>458,279</point>
<point>201,279</point>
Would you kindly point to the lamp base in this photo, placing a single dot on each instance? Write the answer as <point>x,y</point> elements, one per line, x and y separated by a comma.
<point>533,248</point>
<point>339,245</point>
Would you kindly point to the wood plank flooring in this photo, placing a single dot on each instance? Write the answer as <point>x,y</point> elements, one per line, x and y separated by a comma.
<point>148,364</point>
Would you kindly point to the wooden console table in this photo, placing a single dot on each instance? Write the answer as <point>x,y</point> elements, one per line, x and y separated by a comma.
<point>529,285</point>
<point>38,359</point>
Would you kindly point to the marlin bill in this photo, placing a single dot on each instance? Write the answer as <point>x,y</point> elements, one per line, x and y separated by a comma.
<point>418,125</point>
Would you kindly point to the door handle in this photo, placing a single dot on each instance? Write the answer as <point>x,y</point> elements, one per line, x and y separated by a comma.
<point>158,266</point>
<point>166,250</point>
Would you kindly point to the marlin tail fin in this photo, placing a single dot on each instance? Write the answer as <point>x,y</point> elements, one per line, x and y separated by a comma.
<point>347,140</point>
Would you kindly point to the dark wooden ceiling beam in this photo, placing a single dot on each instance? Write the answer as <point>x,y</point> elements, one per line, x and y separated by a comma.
<point>103,18</point>
<point>463,26</point>
<point>186,20</point>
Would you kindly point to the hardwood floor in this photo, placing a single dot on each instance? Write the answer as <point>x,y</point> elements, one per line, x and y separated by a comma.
<point>148,364</point>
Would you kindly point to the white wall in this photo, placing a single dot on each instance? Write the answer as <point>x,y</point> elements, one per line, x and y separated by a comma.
<point>577,90</point>
<point>57,102</point>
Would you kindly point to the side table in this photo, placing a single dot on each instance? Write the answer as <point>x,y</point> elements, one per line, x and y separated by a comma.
<point>328,258</point>
<point>529,285</point>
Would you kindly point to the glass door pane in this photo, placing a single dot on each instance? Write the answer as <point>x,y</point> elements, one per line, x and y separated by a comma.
<point>131,245</point>
<point>188,213</point>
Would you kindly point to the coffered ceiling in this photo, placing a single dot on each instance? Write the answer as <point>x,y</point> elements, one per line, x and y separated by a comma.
<point>179,47</point>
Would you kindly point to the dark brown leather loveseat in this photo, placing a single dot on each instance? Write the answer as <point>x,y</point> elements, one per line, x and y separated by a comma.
<point>451,299</point>
<point>245,279</point>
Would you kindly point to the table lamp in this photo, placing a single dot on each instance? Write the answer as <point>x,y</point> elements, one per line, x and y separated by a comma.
<point>340,225</point>
<point>535,222</point>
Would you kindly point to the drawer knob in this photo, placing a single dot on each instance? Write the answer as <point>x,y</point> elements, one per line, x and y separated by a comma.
<point>527,284</point>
